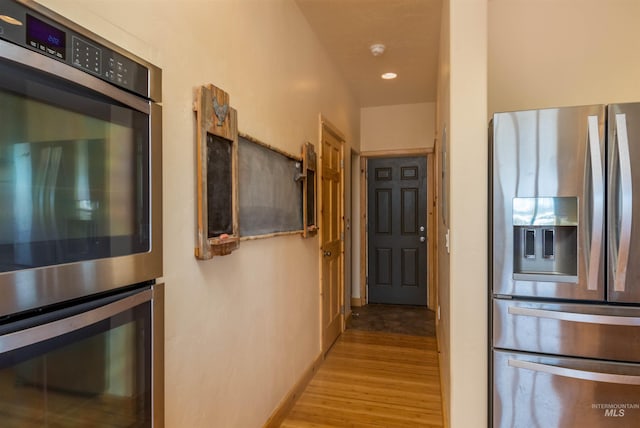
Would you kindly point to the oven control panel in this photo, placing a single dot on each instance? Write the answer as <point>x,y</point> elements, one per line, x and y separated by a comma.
<point>30,29</point>
<point>96,60</point>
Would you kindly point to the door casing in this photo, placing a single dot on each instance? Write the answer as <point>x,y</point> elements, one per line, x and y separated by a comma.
<point>430,217</point>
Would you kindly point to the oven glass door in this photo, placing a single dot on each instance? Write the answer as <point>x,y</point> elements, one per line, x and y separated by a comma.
<point>74,172</point>
<point>78,372</point>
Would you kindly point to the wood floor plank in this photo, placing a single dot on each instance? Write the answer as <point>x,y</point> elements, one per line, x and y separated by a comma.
<point>373,379</point>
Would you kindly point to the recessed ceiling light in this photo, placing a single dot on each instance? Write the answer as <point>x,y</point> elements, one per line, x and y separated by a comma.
<point>389,76</point>
<point>10,20</point>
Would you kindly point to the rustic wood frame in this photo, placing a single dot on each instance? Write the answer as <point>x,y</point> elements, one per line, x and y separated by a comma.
<point>214,116</point>
<point>309,163</point>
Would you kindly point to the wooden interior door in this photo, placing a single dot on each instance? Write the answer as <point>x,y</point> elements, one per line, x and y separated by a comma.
<point>331,232</point>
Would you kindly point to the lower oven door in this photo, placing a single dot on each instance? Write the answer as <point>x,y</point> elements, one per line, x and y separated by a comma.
<point>87,365</point>
<point>536,391</point>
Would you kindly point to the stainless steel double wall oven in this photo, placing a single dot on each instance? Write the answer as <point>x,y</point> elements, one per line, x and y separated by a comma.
<point>80,226</point>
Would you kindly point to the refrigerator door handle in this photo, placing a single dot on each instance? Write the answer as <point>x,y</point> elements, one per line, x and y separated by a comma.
<point>575,316</point>
<point>597,177</point>
<point>575,373</point>
<point>627,202</point>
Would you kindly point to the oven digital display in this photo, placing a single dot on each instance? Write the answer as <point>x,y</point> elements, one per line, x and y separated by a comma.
<point>46,38</point>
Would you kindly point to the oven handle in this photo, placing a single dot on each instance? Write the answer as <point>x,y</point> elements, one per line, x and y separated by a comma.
<point>59,69</point>
<point>40,333</point>
<point>621,379</point>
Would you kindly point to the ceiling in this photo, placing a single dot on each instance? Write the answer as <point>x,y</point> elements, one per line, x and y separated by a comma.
<point>410,30</point>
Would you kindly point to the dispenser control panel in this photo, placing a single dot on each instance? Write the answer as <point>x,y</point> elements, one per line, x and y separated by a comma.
<point>545,245</point>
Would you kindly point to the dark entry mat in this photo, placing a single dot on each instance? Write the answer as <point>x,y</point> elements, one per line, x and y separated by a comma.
<point>400,319</point>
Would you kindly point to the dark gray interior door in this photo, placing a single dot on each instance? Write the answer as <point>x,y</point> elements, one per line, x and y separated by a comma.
<point>397,215</point>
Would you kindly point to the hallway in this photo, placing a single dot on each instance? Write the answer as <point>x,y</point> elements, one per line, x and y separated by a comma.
<point>373,379</point>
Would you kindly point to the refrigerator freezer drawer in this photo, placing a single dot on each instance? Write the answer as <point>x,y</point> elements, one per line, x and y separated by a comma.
<point>535,391</point>
<point>584,330</point>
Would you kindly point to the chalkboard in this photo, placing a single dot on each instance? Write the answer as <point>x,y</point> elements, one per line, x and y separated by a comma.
<point>219,188</point>
<point>269,190</point>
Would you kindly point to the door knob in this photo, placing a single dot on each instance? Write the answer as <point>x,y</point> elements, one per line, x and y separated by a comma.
<point>422,239</point>
<point>327,253</point>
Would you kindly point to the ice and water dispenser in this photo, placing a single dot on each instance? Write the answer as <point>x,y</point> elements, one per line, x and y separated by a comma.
<point>545,239</point>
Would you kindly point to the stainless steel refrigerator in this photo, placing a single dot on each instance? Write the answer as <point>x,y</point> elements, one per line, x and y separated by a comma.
<point>565,267</point>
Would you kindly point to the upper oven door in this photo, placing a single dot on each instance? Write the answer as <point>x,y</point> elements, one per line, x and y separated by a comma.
<point>80,183</point>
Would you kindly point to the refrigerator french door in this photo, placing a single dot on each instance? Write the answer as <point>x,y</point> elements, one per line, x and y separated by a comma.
<point>623,203</point>
<point>565,291</point>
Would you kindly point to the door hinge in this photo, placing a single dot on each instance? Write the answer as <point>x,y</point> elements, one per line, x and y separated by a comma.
<point>342,236</point>
<point>447,242</point>
<point>342,309</point>
<point>341,163</point>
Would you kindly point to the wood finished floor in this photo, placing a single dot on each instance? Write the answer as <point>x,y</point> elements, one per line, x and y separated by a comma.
<point>373,379</point>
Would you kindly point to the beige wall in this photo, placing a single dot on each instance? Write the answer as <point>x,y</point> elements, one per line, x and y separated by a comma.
<point>229,320</point>
<point>443,326</point>
<point>403,126</point>
<point>551,53</point>
<point>468,236</point>
<point>394,127</point>
<point>508,55</point>
<point>462,109</point>
<point>240,329</point>
<point>530,54</point>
